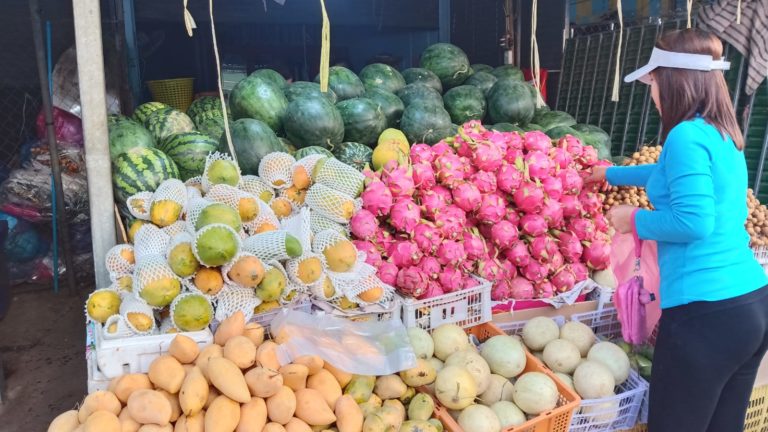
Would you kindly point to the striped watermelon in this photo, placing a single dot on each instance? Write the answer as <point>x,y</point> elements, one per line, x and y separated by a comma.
<point>168,121</point>
<point>306,151</point>
<point>127,134</point>
<point>139,170</point>
<point>203,104</point>
<point>188,150</point>
<point>143,111</point>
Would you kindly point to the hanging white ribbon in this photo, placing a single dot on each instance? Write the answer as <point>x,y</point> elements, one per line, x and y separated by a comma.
<point>617,73</point>
<point>189,22</point>
<point>221,89</point>
<point>536,70</point>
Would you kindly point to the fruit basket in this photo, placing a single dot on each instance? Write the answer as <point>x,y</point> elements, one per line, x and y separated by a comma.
<point>514,327</point>
<point>557,420</point>
<point>465,308</point>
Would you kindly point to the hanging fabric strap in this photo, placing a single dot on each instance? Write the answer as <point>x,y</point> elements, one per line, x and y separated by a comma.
<point>224,112</point>
<point>189,22</point>
<point>738,12</point>
<point>689,4</point>
<point>536,70</point>
<point>617,73</point>
<point>325,49</point>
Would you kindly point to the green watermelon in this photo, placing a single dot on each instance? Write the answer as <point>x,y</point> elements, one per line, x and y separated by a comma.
<point>353,154</point>
<point>511,101</point>
<point>479,67</point>
<point>426,123</point>
<point>532,127</point>
<point>363,121</point>
<point>113,119</point>
<point>128,134</point>
<point>141,170</point>
<point>419,93</point>
<point>508,71</point>
<point>541,110</point>
<point>168,121</point>
<point>252,139</point>
<point>189,151</point>
<point>381,76</point>
<point>551,119</point>
<point>271,76</point>
<point>558,132</point>
<point>305,88</point>
<point>313,121</point>
<point>482,80</point>
<point>204,104</point>
<point>213,127</point>
<point>143,111</point>
<point>465,103</point>
<point>507,127</point>
<point>389,104</point>
<point>257,98</point>
<point>448,62</point>
<point>306,151</point>
<point>596,137</point>
<point>344,83</point>
<point>289,147</point>
<point>423,76</point>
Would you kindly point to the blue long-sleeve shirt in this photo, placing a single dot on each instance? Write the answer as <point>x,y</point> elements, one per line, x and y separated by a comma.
<point>698,189</point>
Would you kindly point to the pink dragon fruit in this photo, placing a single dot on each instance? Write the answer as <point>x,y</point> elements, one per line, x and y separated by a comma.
<point>474,245</point>
<point>432,203</point>
<point>490,269</point>
<point>501,290</point>
<point>444,192</point>
<point>488,156</point>
<point>427,237</point>
<point>433,290</point>
<point>486,230</point>
<point>451,253</point>
<point>543,248</point>
<point>467,266</point>
<point>563,280</point>
<point>518,254</point>
<point>553,187</point>
<point>571,180</point>
<point>579,270</point>
<point>529,197</point>
<point>513,155</point>
<point>466,196</point>
<point>521,289</point>
<point>470,282</point>
<point>561,157</point>
<point>557,261</point>
<point>590,202</point>
<point>462,148</point>
<point>571,206</point>
<point>583,228</point>
<point>588,157</point>
<point>570,246</point>
<point>424,175</point>
<point>383,240</point>
<point>601,223</point>
<point>492,209</point>
<point>388,273</point>
<point>545,289</point>
<point>504,234</point>
<point>450,169</point>
<point>405,215</point>
<point>534,271</point>
<point>509,178</point>
<point>538,164</point>
<point>572,144</point>
<point>431,266</point>
<point>451,279</point>
<point>372,255</point>
<point>377,198</point>
<point>404,253</point>
<point>399,181</point>
<point>451,221</point>
<point>512,216</point>
<point>442,148</point>
<point>422,153</point>
<point>597,255</point>
<point>533,224</point>
<point>553,213</point>
<point>468,167</point>
<point>364,225</point>
<point>537,141</point>
<point>485,181</point>
<point>411,281</point>
<point>509,269</point>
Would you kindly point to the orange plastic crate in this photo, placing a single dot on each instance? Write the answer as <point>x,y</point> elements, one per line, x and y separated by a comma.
<point>557,420</point>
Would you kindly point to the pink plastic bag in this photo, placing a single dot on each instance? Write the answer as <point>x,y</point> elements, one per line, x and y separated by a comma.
<point>623,262</point>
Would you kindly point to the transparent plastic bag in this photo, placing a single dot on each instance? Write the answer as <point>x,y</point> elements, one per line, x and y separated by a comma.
<point>381,348</point>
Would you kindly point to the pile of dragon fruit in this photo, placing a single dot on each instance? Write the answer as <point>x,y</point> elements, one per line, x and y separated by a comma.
<point>511,208</point>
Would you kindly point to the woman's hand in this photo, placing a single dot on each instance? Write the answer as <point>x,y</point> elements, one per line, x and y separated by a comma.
<point>597,175</point>
<point>621,218</point>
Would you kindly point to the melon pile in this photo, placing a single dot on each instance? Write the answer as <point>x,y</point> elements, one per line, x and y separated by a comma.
<point>236,384</point>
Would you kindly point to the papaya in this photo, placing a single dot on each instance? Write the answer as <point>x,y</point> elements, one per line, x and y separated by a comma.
<point>164,212</point>
<point>161,292</point>
<point>248,271</point>
<point>310,270</point>
<point>181,259</point>
<point>248,208</point>
<point>271,286</point>
<point>209,280</point>
<point>341,257</point>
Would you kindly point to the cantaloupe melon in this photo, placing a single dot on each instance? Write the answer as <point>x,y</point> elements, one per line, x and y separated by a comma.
<point>535,393</point>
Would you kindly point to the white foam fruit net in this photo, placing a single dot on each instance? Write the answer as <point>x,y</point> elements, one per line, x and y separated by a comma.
<point>227,267</point>
<point>277,169</point>
<point>341,177</point>
<point>326,238</point>
<point>116,262</point>
<point>233,299</point>
<point>233,197</point>
<point>194,208</point>
<point>175,228</point>
<point>318,289</point>
<point>308,163</point>
<point>298,225</point>
<point>134,305</point>
<point>150,269</point>
<point>292,267</point>
<point>293,292</point>
<point>171,190</point>
<point>85,305</point>
<point>116,327</point>
<point>167,326</point>
<point>331,203</point>
<point>266,218</point>
<point>267,246</point>
<point>210,159</point>
<point>318,223</point>
<point>193,192</point>
<point>150,240</point>
<point>164,328</point>
<point>233,237</point>
<point>138,205</point>
<point>256,186</point>
<point>362,280</point>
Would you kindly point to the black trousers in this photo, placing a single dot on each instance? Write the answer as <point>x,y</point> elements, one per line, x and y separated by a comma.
<point>704,366</point>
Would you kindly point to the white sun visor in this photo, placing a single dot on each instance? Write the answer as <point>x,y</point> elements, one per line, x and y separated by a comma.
<point>661,58</point>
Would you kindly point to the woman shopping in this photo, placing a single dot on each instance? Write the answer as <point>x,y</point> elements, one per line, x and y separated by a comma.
<point>713,331</point>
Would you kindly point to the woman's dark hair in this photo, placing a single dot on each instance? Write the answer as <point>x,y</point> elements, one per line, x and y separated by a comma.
<point>684,93</point>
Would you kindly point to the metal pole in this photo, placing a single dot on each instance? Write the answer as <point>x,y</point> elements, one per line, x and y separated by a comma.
<point>37,35</point>
<point>90,70</point>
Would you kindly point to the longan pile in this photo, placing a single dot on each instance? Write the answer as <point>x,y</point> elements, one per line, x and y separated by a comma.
<point>757,220</point>
<point>632,195</point>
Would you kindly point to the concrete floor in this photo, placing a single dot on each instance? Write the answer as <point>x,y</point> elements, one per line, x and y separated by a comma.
<point>42,348</point>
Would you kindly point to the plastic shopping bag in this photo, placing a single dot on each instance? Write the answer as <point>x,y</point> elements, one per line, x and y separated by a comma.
<point>362,348</point>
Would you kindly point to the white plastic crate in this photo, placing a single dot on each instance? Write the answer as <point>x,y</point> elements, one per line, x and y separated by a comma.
<point>615,412</point>
<point>115,357</point>
<point>604,322</point>
<point>96,380</point>
<point>761,254</point>
<point>302,303</point>
<point>466,308</point>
